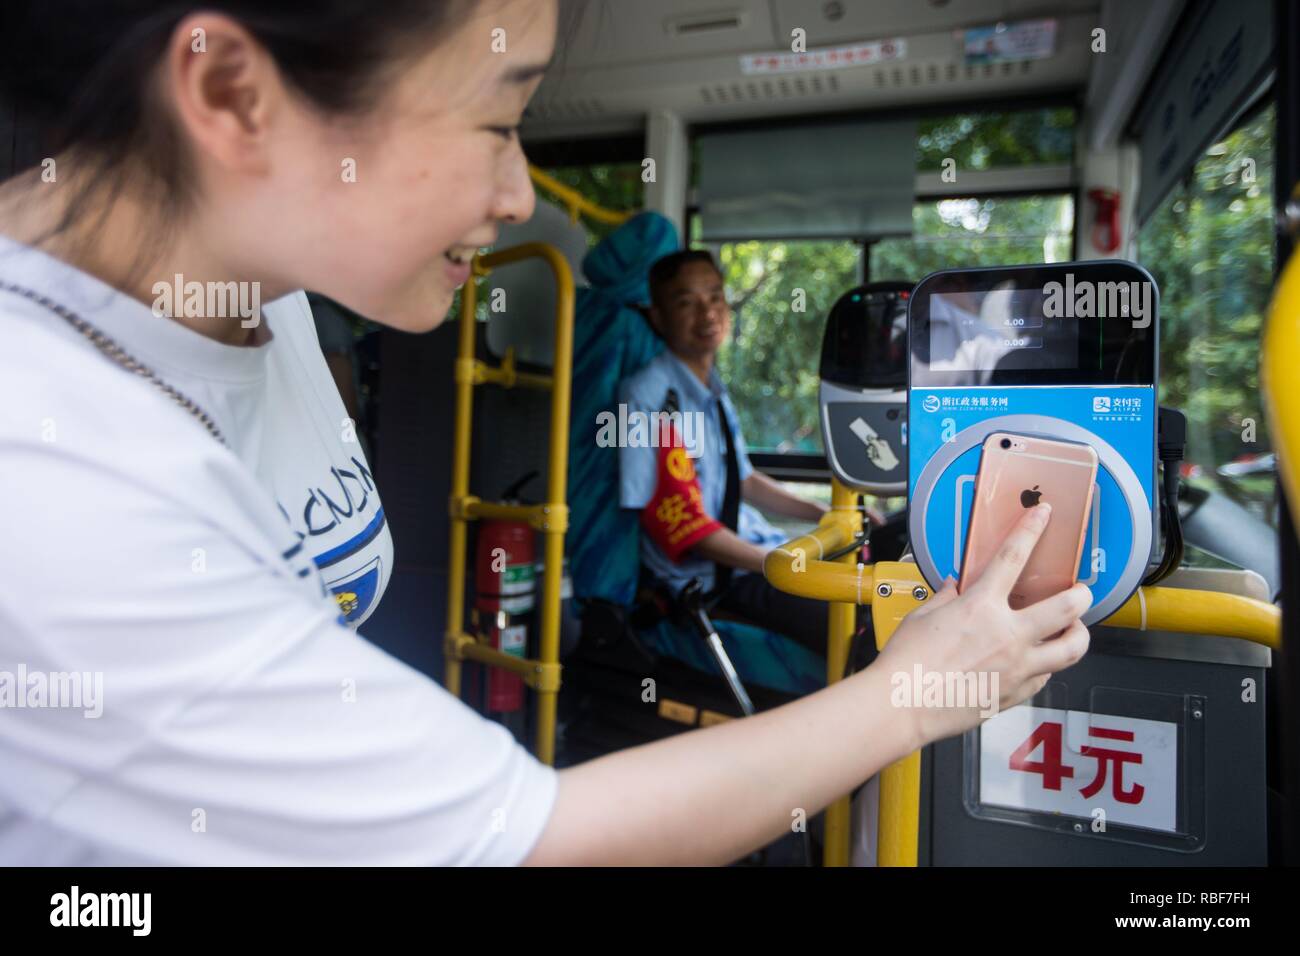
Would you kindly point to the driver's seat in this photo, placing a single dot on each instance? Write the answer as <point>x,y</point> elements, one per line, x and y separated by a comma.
<point>628,632</point>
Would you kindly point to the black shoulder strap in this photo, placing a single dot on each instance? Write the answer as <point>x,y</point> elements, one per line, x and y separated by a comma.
<point>731,499</point>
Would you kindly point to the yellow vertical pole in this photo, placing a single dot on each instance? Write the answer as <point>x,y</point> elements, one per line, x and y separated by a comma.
<point>456,558</point>
<point>1280,352</point>
<point>898,826</point>
<point>555,511</point>
<point>841,619</point>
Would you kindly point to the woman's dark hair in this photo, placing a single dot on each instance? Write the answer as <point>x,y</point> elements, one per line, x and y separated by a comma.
<point>665,270</point>
<point>78,72</point>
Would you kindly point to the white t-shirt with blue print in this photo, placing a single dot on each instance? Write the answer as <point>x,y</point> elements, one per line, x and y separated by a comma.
<point>644,394</point>
<point>221,713</point>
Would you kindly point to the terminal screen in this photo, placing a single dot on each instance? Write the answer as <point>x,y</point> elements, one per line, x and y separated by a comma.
<point>999,329</point>
<point>1072,323</point>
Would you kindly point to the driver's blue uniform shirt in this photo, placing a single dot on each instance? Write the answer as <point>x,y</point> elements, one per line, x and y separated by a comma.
<point>644,394</point>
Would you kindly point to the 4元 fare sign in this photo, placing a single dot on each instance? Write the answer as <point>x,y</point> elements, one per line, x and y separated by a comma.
<point>1076,763</point>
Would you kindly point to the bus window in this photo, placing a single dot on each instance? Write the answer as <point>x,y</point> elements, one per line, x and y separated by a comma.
<point>782,289</point>
<point>780,294</point>
<point>1209,246</point>
<point>978,231</point>
<point>996,140</point>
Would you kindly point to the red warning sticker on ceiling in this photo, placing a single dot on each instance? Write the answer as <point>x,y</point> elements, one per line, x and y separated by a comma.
<point>825,58</point>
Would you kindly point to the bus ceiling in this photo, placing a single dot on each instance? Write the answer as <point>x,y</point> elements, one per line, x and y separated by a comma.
<point>660,75</point>
<point>726,61</point>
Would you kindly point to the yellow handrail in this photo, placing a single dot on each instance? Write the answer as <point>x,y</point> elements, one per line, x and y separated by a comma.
<point>575,202</point>
<point>1280,374</point>
<point>796,567</point>
<point>894,589</point>
<point>790,568</point>
<point>839,527</point>
<point>550,518</point>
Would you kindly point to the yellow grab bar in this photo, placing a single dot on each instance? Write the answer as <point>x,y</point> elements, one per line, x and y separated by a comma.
<point>1190,611</point>
<point>839,528</point>
<point>795,567</point>
<point>1280,371</point>
<point>575,201</point>
<point>550,518</point>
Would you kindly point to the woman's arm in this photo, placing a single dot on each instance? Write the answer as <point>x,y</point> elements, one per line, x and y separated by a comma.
<point>710,796</point>
<point>713,795</point>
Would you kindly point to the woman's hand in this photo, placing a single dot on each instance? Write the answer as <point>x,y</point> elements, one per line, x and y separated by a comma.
<point>1011,653</point>
<point>712,795</point>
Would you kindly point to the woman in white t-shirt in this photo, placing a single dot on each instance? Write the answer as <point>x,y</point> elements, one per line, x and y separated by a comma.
<point>189,524</point>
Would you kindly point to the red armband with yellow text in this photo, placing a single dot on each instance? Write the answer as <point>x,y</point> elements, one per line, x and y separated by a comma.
<point>675,517</point>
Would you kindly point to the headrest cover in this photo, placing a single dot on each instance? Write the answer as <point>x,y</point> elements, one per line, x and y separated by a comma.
<point>620,263</point>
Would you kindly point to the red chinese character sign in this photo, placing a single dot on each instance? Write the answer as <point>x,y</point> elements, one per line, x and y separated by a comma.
<point>824,58</point>
<point>1074,763</point>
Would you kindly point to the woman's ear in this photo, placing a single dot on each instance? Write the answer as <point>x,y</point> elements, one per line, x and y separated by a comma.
<point>224,89</point>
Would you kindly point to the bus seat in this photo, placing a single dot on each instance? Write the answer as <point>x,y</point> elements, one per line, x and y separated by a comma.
<point>613,340</point>
<point>520,297</point>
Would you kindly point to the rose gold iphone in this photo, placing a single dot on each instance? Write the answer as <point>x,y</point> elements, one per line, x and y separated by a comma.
<point>1016,472</point>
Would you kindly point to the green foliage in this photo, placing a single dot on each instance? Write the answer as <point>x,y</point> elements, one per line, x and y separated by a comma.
<point>1210,248</point>
<point>781,294</point>
<point>771,364</point>
<point>988,140</point>
<point>966,233</point>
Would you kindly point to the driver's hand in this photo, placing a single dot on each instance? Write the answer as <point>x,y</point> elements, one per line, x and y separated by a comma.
<point>978,633</point>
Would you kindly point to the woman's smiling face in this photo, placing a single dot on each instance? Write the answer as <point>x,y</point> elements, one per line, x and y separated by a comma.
<point>382,212</point>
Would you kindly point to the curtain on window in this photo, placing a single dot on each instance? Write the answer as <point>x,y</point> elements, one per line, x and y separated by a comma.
<point>844,180</point>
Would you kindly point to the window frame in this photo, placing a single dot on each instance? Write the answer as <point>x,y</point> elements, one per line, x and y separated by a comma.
<point>806,466</point>
<point>1237,117</point>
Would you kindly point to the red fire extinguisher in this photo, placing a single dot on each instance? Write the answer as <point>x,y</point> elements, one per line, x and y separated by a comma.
<point>505,594</point>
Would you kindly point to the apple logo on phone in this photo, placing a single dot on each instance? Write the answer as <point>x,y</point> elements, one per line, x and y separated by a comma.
<point>1030,498</point>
